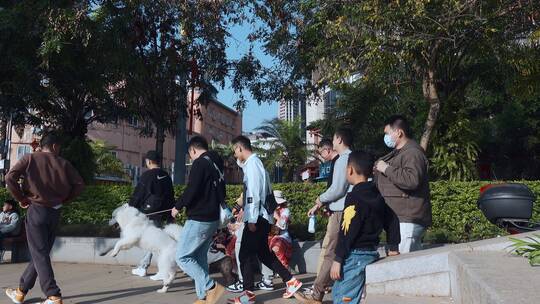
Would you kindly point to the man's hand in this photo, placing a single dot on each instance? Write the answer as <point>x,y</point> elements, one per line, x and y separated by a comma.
<point>252,227</point>
<point>174,212</point>
<point>240,216</point>
<point>24,203</point>
<point>393,253</point>
<point>335,271</point>
<point>381,166</point>
<point>315,208</point>
<point>240,200</point>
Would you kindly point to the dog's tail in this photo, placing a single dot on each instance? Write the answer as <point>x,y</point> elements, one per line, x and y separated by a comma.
<point>173,230</point>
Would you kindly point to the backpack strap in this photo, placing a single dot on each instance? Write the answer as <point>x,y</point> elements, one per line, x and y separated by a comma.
<point>221,176</point>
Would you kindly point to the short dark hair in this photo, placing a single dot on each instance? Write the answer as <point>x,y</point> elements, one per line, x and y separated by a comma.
<point>346,136</point>
<point>49,139</point>
<point>153,156</point>
<point>242,141</point>
<point>11,202</point>
<point>362,162</point>
<point>326,143</point>
<point>401,123</point>
<point>198,142</point>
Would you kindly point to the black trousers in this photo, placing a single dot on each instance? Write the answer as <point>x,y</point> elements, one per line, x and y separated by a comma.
<point>41,223</point>
<point>254,247</point>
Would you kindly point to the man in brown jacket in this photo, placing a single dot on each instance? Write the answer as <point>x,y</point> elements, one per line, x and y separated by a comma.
<point>402,179</point>
<point>49,182</point>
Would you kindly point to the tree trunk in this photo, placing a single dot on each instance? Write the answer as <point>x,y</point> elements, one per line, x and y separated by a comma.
<point>432,97</point>
<point>3,135</point>
<point>160,140</point>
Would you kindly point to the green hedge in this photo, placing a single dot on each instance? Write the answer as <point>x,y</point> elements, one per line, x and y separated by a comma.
<point>455,215</point>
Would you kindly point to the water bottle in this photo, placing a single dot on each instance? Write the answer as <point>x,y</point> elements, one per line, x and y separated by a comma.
<point>311,225</point>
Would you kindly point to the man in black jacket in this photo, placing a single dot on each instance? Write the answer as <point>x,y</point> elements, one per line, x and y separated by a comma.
<point>202,198</point>
<point>156,185</point>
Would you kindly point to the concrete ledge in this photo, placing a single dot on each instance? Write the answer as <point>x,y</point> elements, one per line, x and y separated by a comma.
<point>494,278</point>
<point>87,250</point>
<point>434,284</point>
<point>459,271</point>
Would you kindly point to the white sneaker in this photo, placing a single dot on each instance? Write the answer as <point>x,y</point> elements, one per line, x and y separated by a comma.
<point>293,285</point>
<point>235,287</point>
<point>52,300</point>
<point>16,295</point>
<point>307,290</point>
<point>157,277</point>
<point>263,285</point>
<point>139,272</point>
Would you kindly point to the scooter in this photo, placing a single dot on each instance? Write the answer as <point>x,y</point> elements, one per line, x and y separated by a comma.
<point>508,206</point>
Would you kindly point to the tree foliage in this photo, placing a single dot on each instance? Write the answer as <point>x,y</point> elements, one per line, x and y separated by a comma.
<point>106,163</point>
<point>71,63</point>
<point>425,59</point>
<point>289,151</point>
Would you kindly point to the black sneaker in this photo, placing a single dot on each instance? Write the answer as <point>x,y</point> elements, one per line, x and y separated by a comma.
<point>236,287</point>
<point>262,285</point>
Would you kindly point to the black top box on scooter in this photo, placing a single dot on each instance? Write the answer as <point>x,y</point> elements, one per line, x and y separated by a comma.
<point>506,201</point>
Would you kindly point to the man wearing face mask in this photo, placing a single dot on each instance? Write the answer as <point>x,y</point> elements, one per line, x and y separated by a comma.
<point>402,178</point>
<point>334,200</point>
<point>258,220</point>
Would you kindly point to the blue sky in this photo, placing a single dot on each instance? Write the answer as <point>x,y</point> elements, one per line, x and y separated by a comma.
<point>254,114</point>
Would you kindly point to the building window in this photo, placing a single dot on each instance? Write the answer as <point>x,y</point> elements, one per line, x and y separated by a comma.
<point>330,100</point>
<point>115,154</point>
<point>23,150</point>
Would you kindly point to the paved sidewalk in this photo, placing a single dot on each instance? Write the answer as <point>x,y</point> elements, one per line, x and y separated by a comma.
<point>108,284</point>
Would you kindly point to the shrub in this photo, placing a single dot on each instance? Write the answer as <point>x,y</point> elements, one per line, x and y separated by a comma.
<point>456,217</point>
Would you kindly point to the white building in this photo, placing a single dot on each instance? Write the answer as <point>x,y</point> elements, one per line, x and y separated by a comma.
<point>318,107</point>
<point>290,110</point>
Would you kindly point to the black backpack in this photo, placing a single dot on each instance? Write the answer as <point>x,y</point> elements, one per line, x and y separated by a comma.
<point>270,203</point>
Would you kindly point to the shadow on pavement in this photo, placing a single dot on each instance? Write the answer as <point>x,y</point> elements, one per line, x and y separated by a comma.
<point>124,293</point>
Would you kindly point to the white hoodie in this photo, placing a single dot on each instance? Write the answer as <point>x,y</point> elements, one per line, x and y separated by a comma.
<point>256,186</point>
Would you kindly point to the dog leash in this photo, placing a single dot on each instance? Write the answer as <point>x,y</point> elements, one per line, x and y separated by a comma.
<point>158,212</point>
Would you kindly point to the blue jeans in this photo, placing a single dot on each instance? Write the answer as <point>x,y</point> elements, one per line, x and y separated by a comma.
<point>192,250</point>
<point>353,276</point>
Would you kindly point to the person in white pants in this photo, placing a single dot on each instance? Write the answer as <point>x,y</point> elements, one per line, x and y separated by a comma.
<point>402,178</point>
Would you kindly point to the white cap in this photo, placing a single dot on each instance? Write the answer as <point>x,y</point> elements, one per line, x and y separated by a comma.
<point>279,197</point>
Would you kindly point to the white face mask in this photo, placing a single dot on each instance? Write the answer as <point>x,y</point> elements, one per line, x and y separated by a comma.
<point>389,141</point>
<point>240,163</point>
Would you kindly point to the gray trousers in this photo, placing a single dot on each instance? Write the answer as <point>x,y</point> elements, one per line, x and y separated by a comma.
<point>41,223</point>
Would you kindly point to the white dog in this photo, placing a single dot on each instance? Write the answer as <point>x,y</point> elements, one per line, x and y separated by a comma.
<point>138,230</point>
